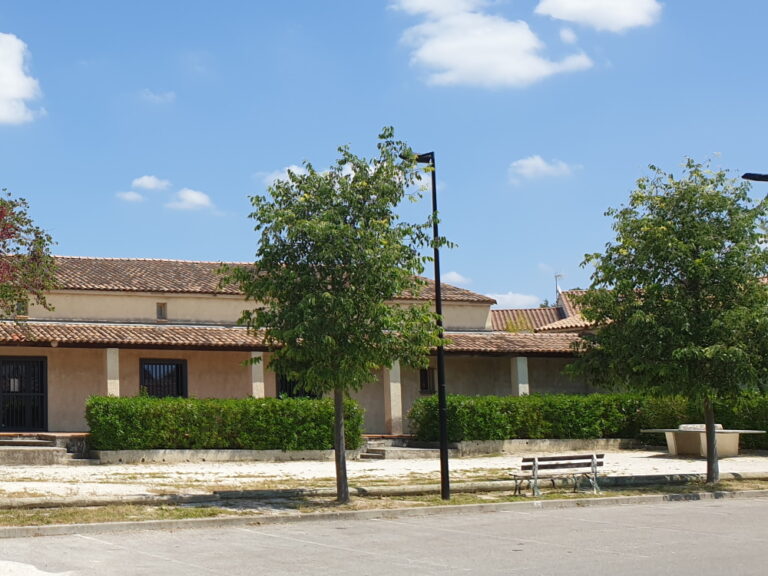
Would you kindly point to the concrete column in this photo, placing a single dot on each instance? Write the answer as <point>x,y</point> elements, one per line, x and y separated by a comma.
<point>393,399</point>
<point>113,371</point>
<point>519,372</point>
<point>257,375</point>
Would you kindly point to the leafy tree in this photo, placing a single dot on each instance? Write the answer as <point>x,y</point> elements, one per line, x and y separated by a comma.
<point>332,256</point>
<point>26,265</point>
<point>679,297</point>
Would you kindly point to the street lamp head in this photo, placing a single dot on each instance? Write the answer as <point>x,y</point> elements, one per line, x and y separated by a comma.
<point>755,177</point>
<point>426,158</point>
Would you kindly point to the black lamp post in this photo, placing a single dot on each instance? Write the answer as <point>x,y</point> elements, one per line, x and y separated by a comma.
<point>755,177</point>
<point>445,487</point>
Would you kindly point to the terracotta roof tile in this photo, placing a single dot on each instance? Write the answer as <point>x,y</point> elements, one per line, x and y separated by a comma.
<point>523,319</point>
<point>139,275</point>
<point>573,320</point>
<point>238,338</point>
<point>567,301</point>
<point>180,276</point>
<point>128,335</point>
<point>510,343</point>
<point>448,293</point>
<point>566,324</point>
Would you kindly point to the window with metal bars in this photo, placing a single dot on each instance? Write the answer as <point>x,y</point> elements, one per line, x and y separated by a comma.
<point>161,377</point>
<point>427,381</point>
<point>290,389</point>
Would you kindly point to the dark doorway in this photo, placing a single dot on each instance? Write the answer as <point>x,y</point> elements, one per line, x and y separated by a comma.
<point>23,395</point>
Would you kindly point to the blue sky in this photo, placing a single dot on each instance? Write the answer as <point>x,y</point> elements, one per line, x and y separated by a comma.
<point>139,129</point>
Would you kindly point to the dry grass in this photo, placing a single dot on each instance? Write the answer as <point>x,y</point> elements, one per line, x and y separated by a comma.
<point>99,514</point>
<point>287,503</point>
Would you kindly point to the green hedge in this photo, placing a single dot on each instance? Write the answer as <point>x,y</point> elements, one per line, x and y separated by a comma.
<point>146,423</point>
<point>577,416</point>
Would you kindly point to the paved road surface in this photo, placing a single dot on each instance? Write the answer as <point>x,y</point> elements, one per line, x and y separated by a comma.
<point>684,538</point>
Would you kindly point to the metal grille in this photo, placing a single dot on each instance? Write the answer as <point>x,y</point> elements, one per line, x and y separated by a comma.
<point>23,390</point>
<point>290,389</point>
<point>164,377</point>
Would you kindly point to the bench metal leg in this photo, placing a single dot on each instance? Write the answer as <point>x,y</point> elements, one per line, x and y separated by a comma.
<point>593,478</point>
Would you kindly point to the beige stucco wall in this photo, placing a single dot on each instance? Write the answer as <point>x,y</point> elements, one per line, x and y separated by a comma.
<point>371,398</point>
<point>545,376</point>
<point>74,374</point>
<point>223,308</point>
<point>209,374</point>
<point>462,315</point>
<point>141,307</point>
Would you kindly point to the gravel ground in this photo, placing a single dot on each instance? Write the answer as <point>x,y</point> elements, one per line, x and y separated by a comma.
<point>204,477</point>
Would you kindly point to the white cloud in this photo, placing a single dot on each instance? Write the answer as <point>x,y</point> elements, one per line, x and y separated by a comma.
<point>269,178</point>
<point>455,278</point>
<point>459,45</point>
<point>188,199</point>
<point>130,196</point>
<point>610,15</point>
<point>437,7</point>
<point>150,183</point>
<point>535,166</point>
<point>514,300</point>
<point>16,86</point>
<point>568,36</point>
<point>157,97</point>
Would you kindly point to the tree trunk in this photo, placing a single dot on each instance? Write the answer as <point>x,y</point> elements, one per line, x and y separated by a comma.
<point>340,448</point>
<point>713,466</point>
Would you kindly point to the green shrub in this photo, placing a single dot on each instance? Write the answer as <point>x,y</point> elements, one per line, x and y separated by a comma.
<point>577,416</point>
<point>145,423</point>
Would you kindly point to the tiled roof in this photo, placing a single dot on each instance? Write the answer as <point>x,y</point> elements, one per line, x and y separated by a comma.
<point>237,338</point>
<point>509,343</point>
<point>573,320</point>
<point>181,276</point>
<point>567,301</point>
<point>566,324</point>
<point>128,335</point>
<point>448,293</point>
<point>523,319</point>
<point>139,275</point>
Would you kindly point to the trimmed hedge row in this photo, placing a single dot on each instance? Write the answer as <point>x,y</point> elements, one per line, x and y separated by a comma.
<point>576,416</point>
<point>146,423</point>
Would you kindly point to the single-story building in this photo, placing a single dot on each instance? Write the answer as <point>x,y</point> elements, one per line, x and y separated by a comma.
<point>122,325</point>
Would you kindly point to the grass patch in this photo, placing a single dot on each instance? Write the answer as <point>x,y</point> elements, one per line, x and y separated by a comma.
<point>100,514</point>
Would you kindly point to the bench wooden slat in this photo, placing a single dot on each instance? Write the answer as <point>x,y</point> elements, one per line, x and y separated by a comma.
<point>557,466</point>
<point>557,458</point>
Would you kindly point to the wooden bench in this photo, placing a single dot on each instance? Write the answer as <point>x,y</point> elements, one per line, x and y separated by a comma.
<point>691,440</point>
<point>532,467</point>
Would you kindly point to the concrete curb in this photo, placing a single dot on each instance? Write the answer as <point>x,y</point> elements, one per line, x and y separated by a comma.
<point>375,491</point>
<point>116,527</point>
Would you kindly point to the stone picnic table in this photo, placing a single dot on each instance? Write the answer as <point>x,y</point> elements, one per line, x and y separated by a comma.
<point>691,440</point>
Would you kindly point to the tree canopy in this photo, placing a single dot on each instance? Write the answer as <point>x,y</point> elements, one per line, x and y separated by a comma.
<point>679,299</point>
<point>332,259</point>
<point>26,265</point>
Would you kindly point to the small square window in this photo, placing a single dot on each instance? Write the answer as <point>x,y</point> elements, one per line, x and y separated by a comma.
<point>22,308</point>
<point>162,311</point>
